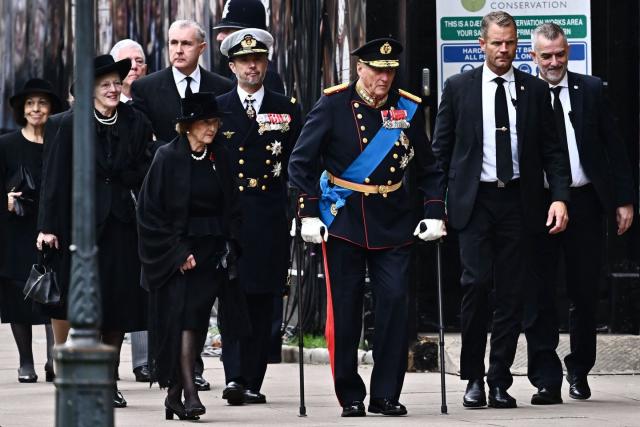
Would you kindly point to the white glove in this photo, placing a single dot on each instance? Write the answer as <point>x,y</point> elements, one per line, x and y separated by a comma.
<point>435,229</point>
<point>313,230</point>
<point>292,230</point>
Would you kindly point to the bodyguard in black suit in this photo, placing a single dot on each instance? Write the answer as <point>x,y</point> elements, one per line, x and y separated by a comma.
<point>601,184</point>
<point>158,94</point>
<point>260,132</point>
<point>365,135</point>
<point>494,136</point>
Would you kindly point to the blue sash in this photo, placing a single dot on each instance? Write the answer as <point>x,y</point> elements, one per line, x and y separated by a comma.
<point>334,197</point>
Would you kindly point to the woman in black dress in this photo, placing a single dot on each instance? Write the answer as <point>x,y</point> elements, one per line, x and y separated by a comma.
<point>20,153</point>
<point>188,218</point>
<point>122,137</point>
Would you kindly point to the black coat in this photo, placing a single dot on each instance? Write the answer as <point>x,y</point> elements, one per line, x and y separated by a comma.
<point>156,95</point>
<point>457,143</point>
<point>332,138</point>
<point>18,251</point>
<point>264,234</point>
<point>602,153</point>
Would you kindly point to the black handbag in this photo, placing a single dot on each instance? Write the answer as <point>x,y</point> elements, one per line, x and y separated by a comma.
<point>42,286</point>
<point>22,181</point>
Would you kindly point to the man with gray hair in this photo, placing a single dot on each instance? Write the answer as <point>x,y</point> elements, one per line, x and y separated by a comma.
<point>131,49</point>
<point>158,94</point>
<point>601,184</point>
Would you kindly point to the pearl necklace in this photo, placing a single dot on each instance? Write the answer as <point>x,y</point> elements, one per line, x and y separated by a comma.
<point>107,122</point>
<point>201,157</point>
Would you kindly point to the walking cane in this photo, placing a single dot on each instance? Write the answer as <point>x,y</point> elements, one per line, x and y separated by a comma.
<point>299,245</point>
<point>443,389</point>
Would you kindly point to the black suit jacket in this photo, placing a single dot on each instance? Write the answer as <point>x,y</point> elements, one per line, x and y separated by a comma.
<point>457,144</point>
<point>602,154</point>
<point>156,95</point>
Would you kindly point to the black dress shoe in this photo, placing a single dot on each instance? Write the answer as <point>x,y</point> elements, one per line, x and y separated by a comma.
<point>171,409</point>
<point>27,375</point>
<point>142,374</point>
<point>251,396</point>
<point>578,387</point>
<point>546,396</point>
<point>499,398</point>
<point>353,409</point>
<point>195,410</point>
<point>386,407</point>
<point>201,383</point>
<point>233,393</point>
<point>48,372</point>
<point>119,400</point>
<point>474,396</point>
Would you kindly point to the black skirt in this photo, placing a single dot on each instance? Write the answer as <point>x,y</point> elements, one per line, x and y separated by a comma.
<point>14,308</point>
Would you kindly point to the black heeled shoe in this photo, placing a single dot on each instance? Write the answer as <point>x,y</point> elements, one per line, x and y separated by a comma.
<point>170,410</point>
<point>195,411</point>
<point>49,374</point>
<point>27,375</point>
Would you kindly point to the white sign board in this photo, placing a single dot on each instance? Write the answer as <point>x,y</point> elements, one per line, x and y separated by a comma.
<point>458,27</point>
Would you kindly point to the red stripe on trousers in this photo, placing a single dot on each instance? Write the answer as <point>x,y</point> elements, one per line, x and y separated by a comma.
<point>329,331</point>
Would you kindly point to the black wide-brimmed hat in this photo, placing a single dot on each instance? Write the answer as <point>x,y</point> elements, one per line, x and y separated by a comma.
<point>199,106</point>
<point>105,64</point>
<point>246,41</point>
<point>243,14</point>
<point>36,86</point>
<point>380,53</point>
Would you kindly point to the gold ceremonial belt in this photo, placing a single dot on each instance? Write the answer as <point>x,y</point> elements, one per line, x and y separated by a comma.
<point>364,188</point>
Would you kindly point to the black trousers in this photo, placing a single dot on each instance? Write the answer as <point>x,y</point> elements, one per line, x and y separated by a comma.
<point>580,245</point>
<point>245,360</point>
<point>389,275</point>
<point>491,254</point>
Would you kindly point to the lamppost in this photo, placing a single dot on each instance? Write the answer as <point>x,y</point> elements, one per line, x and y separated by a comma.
<point>85,383</point>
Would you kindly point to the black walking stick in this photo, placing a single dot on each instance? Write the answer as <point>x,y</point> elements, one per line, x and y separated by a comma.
<point>443,388</point>
<point>299,247</point>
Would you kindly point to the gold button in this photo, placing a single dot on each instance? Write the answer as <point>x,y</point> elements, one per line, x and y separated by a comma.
<point>265,176</point>
<point>253,182</point>
<point>367,180</point>
<point>241,188</point>
<point>267,147</point>
<point>397,143</point>
<point>268,161</point>
<point>240,175</point>
<point>365,140</point>
<point>356,105</point>
<point>359,116</point>
<point>264,187</point>
<point>385,195</point>
<point>301,199</point>
<point>392,108</point>
<point>362,128</point>
<point>366,194</point>
<point>240,148</point>
<point>392,169</point>
<point>395,155</point>
<point>301,205</point>
<point>389,182</point>
<point>241,161</point>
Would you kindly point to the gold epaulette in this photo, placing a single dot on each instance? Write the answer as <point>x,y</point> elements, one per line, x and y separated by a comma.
<point>335,89</point>
<point>293,100</point>
<point>410,96</point>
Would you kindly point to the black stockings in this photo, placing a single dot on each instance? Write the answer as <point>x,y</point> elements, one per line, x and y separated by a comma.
<point>185,372</point>
<point>22,335</point>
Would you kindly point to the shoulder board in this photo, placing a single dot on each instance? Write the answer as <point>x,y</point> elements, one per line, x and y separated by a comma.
<point>335,89</point>
<point>293,100</point>
<point>410,96</point>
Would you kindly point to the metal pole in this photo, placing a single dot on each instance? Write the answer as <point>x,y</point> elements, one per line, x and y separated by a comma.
<point>85,382</point>
<point>299,247</point>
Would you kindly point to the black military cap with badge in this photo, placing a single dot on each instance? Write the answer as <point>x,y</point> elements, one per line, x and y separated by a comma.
<point>380,53</point>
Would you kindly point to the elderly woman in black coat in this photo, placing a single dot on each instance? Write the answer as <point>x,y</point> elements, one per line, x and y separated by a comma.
<point>188,218</point>
<point>21,160</point>
<point>122,138</point>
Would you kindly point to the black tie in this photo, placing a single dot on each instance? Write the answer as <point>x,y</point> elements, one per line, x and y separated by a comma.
<point>504,163</point>
<point>559,114</point>
<point>187,91</point>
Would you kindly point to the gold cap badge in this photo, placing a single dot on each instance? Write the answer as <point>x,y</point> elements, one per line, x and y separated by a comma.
<point>248,42</point>
<point>385,49</point>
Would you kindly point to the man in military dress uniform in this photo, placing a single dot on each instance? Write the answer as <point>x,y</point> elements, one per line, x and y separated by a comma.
<point>260,133</point>
<point>364,136</point>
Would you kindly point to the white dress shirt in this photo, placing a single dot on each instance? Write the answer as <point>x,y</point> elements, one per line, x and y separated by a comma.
<point>181,81</point>
<point>258,97</point>
<point>578,177</point>
<point>489,87</point>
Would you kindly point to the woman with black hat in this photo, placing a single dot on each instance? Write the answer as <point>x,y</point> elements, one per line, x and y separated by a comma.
<point>20,170</point>
<point>122,138</point>
<point>188,218</point>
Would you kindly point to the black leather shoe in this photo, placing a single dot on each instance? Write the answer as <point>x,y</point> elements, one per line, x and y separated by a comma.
<point>119,400</point>
<point>194,411</point>
<point>353,409</point>
<point>142,374</point>
<point>201,383</point>
<point>27,375</point>
<point>251,396</point>
<point>474,396</point>
<point>233,393</point>
<point>499,398</point>
<point>50,375</point>
<point>578,387</point>
<point>546,396</point>
<point>171,409</point>
<point>386,407</point>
